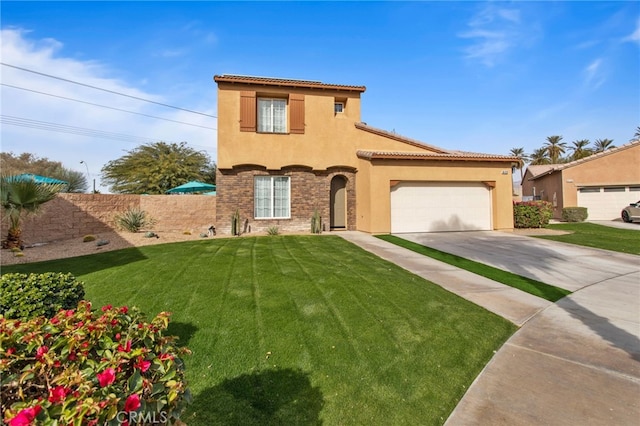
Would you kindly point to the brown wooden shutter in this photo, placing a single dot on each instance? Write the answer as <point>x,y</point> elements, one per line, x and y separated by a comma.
<point>247,111</point>
<point>296,113</point>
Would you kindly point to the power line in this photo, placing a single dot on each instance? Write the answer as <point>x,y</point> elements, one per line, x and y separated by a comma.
<point>62,128</point>
<point>105,106</point>
<point>104,90</point>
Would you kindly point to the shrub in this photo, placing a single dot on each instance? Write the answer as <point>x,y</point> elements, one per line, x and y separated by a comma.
<point>316,222</point>
<point>133,220</point>
<point>91,368</point>
<point>532,214</point>
<point>273,230</point>
<point>574,214</point>
<point>25,296</point>
<point>88,238</point>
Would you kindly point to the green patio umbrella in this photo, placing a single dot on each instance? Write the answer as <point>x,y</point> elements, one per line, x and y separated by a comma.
<point>193,186</point>
<point>38,179</point>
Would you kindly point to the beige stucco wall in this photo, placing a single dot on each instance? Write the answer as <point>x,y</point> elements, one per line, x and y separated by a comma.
<point>373,205</point>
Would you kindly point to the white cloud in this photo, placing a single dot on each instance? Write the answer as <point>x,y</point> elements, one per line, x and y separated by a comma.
<point>47,56</point>
<point>594,75</point>
<point>635,35</point>
<point>493,32</point>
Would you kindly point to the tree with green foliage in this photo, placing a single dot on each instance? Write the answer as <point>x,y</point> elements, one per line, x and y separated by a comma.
<point>157,167</point>
<point>580,149</point>
<point>12,165</point>
<point>539,156</point>
<point>522,159</point>
<point>636,135</point>
<point>555,148</point>
<point>20,198</point>
<point>601,145</point>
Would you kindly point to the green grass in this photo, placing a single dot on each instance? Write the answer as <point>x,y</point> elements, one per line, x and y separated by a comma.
<point>528,285</point>
<point>300,329</point>
<point>598,236</point>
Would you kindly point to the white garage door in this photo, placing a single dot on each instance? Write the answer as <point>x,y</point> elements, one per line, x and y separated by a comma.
<point>440,206</point>
<point>606,203</point>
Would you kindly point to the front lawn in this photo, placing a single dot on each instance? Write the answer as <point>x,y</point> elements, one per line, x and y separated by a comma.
<point>300,329</point>
<point>598,236</point>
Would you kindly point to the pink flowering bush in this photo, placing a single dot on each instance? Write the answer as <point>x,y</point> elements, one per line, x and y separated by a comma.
<point>85,367</point>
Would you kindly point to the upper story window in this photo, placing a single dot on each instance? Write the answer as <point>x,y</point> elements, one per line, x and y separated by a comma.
<point>272,115</point>
<point>338,107</point>
<point>265,114</point>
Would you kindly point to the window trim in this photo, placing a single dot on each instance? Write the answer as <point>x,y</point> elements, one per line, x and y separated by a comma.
<point>272,197</point>
<point>335,105</point>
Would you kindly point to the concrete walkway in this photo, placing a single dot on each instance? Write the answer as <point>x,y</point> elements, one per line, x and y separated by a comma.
<point>576,362</point>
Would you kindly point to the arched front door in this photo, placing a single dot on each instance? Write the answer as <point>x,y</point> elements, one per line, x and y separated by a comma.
<point>338,200</point>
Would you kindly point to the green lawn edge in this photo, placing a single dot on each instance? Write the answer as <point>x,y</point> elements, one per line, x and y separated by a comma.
<point>531,286</point>
<point>597,236</point>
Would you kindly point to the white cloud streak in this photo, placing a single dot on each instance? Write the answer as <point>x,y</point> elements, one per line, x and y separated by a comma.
<point>593,74</point>
<point>493,32</point>
<point>634,37</point>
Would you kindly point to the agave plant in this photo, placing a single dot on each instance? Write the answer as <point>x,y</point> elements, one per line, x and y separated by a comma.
<point>19,199</point>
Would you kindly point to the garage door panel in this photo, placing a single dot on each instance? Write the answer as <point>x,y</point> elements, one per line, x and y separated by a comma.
<point>605,203</point>
<point>440,206</point>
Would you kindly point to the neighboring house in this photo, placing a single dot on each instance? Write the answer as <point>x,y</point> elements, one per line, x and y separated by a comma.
<point>289,147</point>
<point>604,183</point>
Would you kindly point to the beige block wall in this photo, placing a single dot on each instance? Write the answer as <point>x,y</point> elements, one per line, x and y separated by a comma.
<point>75,215</point>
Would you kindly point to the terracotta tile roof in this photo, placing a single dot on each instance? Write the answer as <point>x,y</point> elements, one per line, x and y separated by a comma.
<point>540,170</point>
<point>431,152</point>
<point>284,82</point>
<point>451,156</point>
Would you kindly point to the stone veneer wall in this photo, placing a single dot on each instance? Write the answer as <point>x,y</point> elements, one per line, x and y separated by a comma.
<point>310,190</point>
<point>75,215</point>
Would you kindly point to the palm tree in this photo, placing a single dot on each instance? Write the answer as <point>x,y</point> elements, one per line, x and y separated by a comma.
<point>555,148</point>
<point>522,159</point>
<point>539,156</point>
<point>580,149</point>
<point>637,134</point>
<point>19,199</point>
<point>601,145</point>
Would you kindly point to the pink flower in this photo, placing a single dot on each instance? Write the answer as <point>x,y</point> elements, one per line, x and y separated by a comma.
<point>41,351</point>
<point>54,320</point>
<point>25,417</point>
<point>107,377</point>
<point>11,351</point>
<point>124,310</point>
<point>132,403</point>
<point>118,336</point>
<point>126,347</point>
<point>142,364</point>
<point>58,394</point>
<point>106,308</point>
<point>69,312</point>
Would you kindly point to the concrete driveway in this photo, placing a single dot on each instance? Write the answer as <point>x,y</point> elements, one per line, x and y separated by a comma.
<point>575,362</point>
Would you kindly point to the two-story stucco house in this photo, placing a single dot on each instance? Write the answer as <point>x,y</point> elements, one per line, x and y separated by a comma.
<point>289,147</point>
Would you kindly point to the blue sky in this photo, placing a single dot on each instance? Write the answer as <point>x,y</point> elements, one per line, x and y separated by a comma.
<point>474,76</point>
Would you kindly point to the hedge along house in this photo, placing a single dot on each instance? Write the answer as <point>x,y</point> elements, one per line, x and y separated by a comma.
<point>287,148</point>
<point>604,183</point>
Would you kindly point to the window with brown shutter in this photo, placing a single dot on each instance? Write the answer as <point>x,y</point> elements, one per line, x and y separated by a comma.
<point>247,111</point>
<point>296,113</point>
